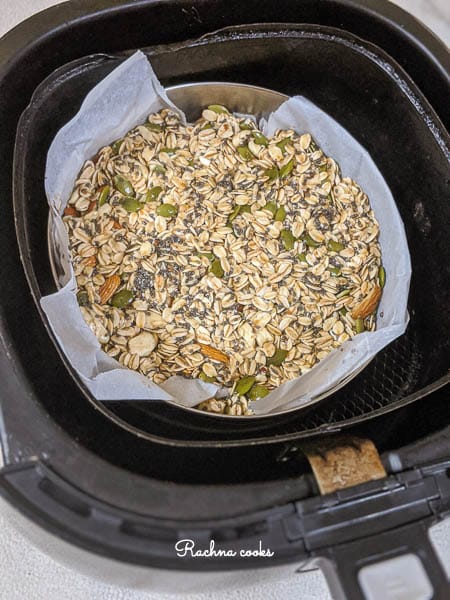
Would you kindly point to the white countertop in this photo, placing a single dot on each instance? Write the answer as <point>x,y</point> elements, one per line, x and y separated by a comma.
<point>26,572</point>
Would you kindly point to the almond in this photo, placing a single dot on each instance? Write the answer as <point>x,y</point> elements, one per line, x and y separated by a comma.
<point>367,306</point>
<point>70,211</point>
<point>108,288</point>
<point>116,224</point>
<point>213,353</point>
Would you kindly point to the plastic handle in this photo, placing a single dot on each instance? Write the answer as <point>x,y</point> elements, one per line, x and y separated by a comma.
<point>400,563</point>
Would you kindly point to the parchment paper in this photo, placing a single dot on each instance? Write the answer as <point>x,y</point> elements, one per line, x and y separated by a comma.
<point>117,104</point>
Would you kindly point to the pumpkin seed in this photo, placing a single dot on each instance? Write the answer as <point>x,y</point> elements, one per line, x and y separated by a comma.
<point>280,215</point>
<point>271,207</point>
<point>166,210</point>
<point>122,299</point>
<point>234,214</point>
<point>131,204</point>
<point>206,378</point>
<point>245,127</point>
<point>287,238</point>
<point>219,109</point>
<point>152,194</point>
<point>283,143</point>
<point>302,257</point>
<point>335,271</point>
<point>245,153</point>
<point>287,168</point>
<point>335,246</point>
<point>257,391</point>
<point>116,146</point>
<point>343,294</point>
<point>170,151</point>
<point>159,169</point>
<point>310,242</point>
<point>83,298</point>
<point>154,127</point>
<point>104,195</point>
<point>260,139</point>
<point>278,358</point>
<point>359,325</point>
<point>382,276</point>
<point>123,186</point>
<point>272,173</point>
<point>216,268</point>
<point>244,385</point>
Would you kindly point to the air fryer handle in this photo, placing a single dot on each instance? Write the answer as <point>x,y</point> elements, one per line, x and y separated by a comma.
<point>399,563</point>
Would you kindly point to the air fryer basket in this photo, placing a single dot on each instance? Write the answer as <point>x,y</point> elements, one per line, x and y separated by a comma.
<point>381,107</point>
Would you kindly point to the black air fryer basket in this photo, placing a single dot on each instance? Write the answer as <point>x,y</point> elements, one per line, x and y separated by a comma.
<point>126,479</point>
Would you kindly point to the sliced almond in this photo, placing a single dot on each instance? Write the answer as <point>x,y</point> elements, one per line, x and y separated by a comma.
<point>213,353</point>
<point>367,306</point>
<point>70,211</point>
<point>108,288</point>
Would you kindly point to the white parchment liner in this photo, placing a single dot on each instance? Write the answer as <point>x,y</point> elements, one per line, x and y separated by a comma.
<point>117,104</point>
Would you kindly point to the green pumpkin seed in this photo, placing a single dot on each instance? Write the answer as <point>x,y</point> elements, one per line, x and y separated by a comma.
<point>310,242</point>
<point>245,127</point>
<point>280,215</point>
<point>83,298</point>
<point>278,358</point>
<point>206,126</point>
<point>219,109</point>
<point>245,208</point>
<point>152,194</point>
<point>287,168</point>
<point>272,173</point>
<point>204,377</point>
<point>116,146</point>
<point>260,139</point>
<point>257,391</point>
<point>342,294</point>
<point>244,385</point>
<point>244,152</point>
<point>154,127</point>
<point>343,311</point>
<point>382,276</point>
<point>302,257</point>
<point>283,143</point>
<point>335,246</point>
<point>323,168</point>
<point>104,195</point>
<point>166,210</point>
<point>123,186</point>
<point>159,170</point>
<point>271,207</point>
<point>359,325</point>
<point>287,238</point>
<point>170,151</point>
<point>233,215</point>
<point>122,299</point>
<point>335,271</point>
<point>131,204</point>
<point>216,268</point>
<point>190,163</point>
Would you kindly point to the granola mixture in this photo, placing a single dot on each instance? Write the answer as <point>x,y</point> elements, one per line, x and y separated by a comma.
<point>208,250</point>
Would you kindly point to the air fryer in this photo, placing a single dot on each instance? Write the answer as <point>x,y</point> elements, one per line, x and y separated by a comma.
<point>127,480</point>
